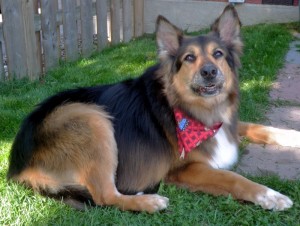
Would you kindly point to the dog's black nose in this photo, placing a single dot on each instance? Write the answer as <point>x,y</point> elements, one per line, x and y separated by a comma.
<point>209,71</point>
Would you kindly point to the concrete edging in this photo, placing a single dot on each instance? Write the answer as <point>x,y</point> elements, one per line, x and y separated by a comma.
<point>193,15</point>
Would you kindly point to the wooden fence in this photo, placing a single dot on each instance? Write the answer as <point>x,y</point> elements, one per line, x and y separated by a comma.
<point>36,34</point>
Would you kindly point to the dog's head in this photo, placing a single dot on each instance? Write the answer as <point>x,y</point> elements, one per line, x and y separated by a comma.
<point>201,72</point>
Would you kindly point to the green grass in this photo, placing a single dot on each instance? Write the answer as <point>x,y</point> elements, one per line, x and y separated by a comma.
<point>265,46</point>
<point>263,56</point>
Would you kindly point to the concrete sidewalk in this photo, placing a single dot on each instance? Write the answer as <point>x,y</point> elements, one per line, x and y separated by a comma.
<point>273,159</point>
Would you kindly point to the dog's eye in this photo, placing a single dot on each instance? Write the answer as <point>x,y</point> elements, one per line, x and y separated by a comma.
<point>190,58</point>
<point>217,54</point>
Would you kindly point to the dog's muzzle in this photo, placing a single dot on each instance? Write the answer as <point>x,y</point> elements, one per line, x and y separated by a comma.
<point>209,81</point>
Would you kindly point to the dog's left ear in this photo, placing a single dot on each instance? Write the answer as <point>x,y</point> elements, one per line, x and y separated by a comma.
<point>228,27</point>
<point>168,37</point>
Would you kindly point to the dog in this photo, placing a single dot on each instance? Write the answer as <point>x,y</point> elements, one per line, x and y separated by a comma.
<point>178,123</point>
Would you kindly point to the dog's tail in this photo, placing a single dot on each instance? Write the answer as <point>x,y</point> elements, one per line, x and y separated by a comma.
<point>261,134</point>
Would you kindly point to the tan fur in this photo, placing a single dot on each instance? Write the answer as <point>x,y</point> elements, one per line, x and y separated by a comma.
<point>71,135</point>
<point>201,177</point>
<point>269,135</point>
<point>206,109</point>
<point>38,179</point>
<point>80,150</point>
<point>254,132</point>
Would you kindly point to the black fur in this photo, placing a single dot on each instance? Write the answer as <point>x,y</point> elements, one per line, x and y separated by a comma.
<point>139,98</point>
<point>141,115</point>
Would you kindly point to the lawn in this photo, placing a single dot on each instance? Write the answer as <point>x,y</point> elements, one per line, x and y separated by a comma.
<point>265,47</point>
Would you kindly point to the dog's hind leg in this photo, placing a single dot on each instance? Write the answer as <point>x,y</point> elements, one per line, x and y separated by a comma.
<point>201,177</point>
<point>98,166</point>
<point>99,175</point>
<point>269,135</point>
<point>102,187</point>
<point>76,158</point>
<point>92,153</point>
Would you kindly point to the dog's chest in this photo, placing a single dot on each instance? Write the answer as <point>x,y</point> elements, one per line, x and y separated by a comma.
<point>225,152</point>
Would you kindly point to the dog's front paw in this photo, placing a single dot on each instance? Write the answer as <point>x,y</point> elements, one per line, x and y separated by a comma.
<point>273,200</point>
<point>154,203</point>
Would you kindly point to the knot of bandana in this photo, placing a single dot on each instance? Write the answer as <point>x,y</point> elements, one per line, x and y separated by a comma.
<point>191,133</point>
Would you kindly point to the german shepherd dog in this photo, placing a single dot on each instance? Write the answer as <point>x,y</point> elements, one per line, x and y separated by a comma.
<point>177,123</point>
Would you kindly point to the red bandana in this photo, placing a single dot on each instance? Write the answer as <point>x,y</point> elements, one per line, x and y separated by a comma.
<point>191,133</point>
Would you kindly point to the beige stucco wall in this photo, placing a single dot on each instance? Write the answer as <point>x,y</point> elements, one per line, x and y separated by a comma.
<point>194,15</point>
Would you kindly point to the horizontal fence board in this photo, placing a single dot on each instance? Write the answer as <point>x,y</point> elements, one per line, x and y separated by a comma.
<point>59,16</point>
<point>50,33</point>
<point>86,18</point>
<point>70,30</point>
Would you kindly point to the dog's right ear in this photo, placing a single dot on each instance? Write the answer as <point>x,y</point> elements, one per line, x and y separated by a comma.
<point>168,37</point>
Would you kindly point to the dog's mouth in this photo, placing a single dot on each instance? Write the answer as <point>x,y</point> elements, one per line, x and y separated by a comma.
<point>208,89</point>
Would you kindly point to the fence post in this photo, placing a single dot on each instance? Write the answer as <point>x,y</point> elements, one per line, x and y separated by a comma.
<point>20,39</point>
<point>50,33</point>
<point>70,30</point>
<point>86,18</point>
<point>115,21</point>
<point>127,20</point>
<point>138,18</point>
<point>38,45</point>
<point>2,72</point>
<point>101,11</point>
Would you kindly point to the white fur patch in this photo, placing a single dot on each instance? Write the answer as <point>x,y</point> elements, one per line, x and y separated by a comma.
<point>283,137</point>
<point>155,202</point>
<point>271,199</point>
<point>225,153</point>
